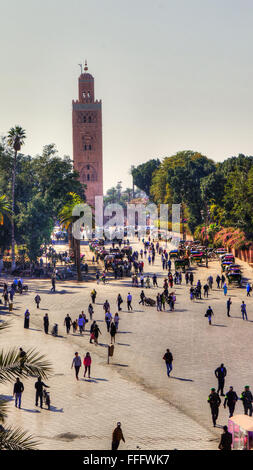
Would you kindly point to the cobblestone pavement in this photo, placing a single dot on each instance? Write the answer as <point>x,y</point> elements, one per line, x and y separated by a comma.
<point>156,412</point>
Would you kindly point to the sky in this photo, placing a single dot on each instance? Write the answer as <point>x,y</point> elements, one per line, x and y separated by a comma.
<point>172,75</point>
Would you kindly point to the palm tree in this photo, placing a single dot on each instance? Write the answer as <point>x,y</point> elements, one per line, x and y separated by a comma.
<point>5,208</point>
<point>11,366</point>
<point>67,219</point>
<point>16,137</point>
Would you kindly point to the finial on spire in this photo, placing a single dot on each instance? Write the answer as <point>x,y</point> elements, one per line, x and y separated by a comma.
<point>86,66</point>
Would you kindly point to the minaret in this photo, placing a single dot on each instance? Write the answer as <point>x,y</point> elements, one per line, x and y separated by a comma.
<point>87,137</point>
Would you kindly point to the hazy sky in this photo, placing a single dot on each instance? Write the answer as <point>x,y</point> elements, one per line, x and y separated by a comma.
<point>172,75</point>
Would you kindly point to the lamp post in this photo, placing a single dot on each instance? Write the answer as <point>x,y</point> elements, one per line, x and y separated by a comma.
<point>205,217</point>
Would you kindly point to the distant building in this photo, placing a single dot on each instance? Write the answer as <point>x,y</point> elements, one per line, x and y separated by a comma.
<point>87,137</point>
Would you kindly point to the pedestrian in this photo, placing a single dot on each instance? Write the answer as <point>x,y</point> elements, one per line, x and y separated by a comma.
<point>39,391</point>
<point>117,436</point>
<point>108,319</point>
<point>210,282</point>
<point>81,324</point>
<point>191,278</point>
<point>106,306</point>
<point>226,440</point>
<point>77,362</point>
<point>206,289</point>
<point>46,323</point>
<point>17,392</point>
<point>27,319</point>
<point>53,283</point>
<point>113,331</point>
<point>87,364</point>
<point>119,301</point>
<point>248,289</point>
<point>247,398</point>
<point>209,313</point>
<point>243,310</point>
<point>218,279</point>
<point>222,280</point>
<point>96,332</point>
<point>214,402</point>
<point>168,358</point>
<point>37,300</point>
<point>67,323</point>
<point>142,297</point>
<point>230,400</point>
<point>225,288</point>
<point>129,301</point>
<point>220,374</point>
<point>93,295</point>
<point>229,302</point>
<point>91,311</point>
<point>116,320</point>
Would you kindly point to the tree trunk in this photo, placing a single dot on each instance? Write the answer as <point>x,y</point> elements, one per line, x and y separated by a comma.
<point>13,263</point>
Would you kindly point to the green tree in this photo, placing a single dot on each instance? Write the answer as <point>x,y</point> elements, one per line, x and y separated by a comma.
<point>16,138</point>
<point>142,174</point>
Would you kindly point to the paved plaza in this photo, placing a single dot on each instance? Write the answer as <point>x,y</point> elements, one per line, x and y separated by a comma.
<point>156,412</point>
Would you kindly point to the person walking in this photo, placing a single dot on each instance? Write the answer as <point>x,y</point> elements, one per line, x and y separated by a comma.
<point>116,320</point>
<point>117,436</point>
<point>108,319</point>
<point>17,392</point>
<point>39,391</point>
<point>209,313</point>
<point>67,323</point>
<point>119,302</point>
<point>37,300</point>
<point>93,295</point>
<point>142,297</point>
<point>210,281</point>
<point>113,331</point>
<point>129,301</point>
<point>226,440</point>
<point>214,402</point>
<point>229,303</point>
<point>220,374</point>
<point>27,319</point>
<point>247,398</point>
<point>206,289</point>
<point>248,289</point>
<point>168,358</point>
<point>53,283</point>
<point>91,311</point>
<point>230,400</point>
<point>81,323</point>
<point>96,332</point>
<point>218,279</point>
<point>225,288</point>
<point>87,364</point>
<point>46,323</point>
<point>77,362</point>
<point>191,278</point>
<point>244,311</point>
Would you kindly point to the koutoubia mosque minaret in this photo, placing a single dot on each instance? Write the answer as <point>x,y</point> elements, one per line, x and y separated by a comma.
<point>87,137</point>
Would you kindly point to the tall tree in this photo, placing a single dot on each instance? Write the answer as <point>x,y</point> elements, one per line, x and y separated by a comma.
<point>16,138</point>
<point>142,174</point>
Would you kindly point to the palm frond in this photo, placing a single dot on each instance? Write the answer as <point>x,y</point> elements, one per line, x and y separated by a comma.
<point>3,409</point>
<point>34,364</point>
<point>16,439</point>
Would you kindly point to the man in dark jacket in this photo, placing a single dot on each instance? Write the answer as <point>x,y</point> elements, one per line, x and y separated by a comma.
<point>214,402</point>
<point>226,439</point>
<point>39,391</point>
<point>247,399</point>
<point>221,373</point>
<point>230,399</point>
<point>168,358</point>
<point>17,391</point>
<point>117,435</point>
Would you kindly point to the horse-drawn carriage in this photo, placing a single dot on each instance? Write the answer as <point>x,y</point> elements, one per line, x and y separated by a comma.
<point>234,278</point>
<point>173,254</point>
<point>196,257</point>
<point>181,263</point>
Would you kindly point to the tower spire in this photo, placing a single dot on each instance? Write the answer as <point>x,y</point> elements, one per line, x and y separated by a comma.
<point>86,66</point>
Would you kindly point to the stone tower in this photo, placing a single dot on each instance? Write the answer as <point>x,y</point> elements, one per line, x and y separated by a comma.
<point>87,137</point>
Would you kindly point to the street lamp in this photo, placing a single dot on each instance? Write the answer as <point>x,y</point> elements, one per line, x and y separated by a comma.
<point>205,220</point>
